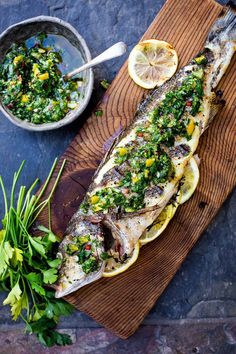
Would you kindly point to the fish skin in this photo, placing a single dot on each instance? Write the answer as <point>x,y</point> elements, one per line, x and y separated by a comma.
<point>127,228</point>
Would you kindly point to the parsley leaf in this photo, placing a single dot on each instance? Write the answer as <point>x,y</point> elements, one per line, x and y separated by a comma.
<point>99,113</point>
<point>49,276</point>
<point>55,263</point>
<point>13,295</point>
<point>37,245</point>
<point>44,330</point>
<point>6,253</point>
<point>17,256</point>
<point>36,282</point>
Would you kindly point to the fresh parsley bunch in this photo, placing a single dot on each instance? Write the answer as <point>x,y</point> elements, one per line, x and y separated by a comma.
<point>28,265</point>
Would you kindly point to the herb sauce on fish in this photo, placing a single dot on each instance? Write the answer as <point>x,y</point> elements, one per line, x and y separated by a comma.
<point>141,172</point>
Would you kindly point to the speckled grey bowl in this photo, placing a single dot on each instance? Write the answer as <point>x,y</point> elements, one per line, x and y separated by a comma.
<point>50,25</point>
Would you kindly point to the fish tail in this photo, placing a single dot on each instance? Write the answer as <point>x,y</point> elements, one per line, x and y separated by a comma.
<point>224,29</point>
<point>222,43</point>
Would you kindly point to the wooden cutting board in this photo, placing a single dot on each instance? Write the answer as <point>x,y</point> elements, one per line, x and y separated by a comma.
<point>121,303</point>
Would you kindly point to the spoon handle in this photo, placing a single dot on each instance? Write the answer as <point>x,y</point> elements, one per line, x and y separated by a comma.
<point>114,51</point>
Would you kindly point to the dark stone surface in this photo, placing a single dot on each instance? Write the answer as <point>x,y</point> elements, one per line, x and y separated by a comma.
<point>185,337</point>
<point>197,312</point>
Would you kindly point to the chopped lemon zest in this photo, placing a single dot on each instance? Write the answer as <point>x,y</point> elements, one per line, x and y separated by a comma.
<point>17,59</point>
<point>123,151</point>
<point>24,98</point>
<point>146,173</point>
<point>43,77</point>
<point>35,69</point>
<point>190,127</point>
<point>94,199</point>
<point>135,179</point>
<point>200,59</point>
<point>150,162</point>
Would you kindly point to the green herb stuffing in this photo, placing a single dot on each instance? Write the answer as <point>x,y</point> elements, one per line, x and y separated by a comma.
<point>85,249</point>
<point>90,265</point>
<point>32,86</point>
<point>144,163</point>
<point>28,264</point>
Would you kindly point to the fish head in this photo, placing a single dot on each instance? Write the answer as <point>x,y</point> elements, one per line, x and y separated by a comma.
<point>81,253</point>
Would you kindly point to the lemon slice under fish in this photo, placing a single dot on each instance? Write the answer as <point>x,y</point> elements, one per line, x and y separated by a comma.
<point>189,183</point>
<point>190,180</point>
<point>161,222</point>
<point>152,62</point>
<point>188,186</point>
<point>114,268</point>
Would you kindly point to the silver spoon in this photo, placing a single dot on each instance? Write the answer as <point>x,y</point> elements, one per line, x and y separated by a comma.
<point>114,51</point>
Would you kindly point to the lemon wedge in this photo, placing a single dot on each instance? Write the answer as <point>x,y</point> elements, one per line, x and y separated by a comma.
<point>190,180</point>
<point>152,62</point>
<point>114,268</point>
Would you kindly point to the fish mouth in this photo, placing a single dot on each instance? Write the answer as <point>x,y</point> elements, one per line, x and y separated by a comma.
<point>62,288</point>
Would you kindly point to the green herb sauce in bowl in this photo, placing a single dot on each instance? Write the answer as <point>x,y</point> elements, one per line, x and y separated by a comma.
<point>33,93</point>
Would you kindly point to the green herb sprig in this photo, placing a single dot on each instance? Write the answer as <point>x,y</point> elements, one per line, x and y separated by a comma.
<point>28,265</point>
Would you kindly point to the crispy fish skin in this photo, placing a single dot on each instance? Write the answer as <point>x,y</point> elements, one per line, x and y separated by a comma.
<point>127,227</point>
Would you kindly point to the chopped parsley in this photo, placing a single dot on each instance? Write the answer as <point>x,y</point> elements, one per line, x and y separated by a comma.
<point>99,113</point>
<point>143,163</point>
<point>90,265</point>
<point>105,84</point>
<point>84,248</point>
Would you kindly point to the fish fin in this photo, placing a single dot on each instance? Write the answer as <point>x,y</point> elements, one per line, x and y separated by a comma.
<point>106,156</point>
<point>224,29</point>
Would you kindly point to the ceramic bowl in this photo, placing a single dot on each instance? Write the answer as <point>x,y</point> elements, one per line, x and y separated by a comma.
<point>51,25</point>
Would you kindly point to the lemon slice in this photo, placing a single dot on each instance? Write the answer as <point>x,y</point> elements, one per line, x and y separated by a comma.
<point>114,268</point>
<point>189,181</point>
<point>158,227</point>
<point>187,188</point>
<point>152,62</point>
<point>161,222</point>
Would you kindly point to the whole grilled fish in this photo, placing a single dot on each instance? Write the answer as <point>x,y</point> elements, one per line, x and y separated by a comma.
<point>142,170</point>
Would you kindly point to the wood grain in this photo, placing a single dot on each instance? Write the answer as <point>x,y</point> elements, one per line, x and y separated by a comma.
<point>121,303</point>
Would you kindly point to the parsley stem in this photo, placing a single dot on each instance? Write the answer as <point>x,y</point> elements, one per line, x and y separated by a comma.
<point>15,179</point>
<point>26,298</point>
<point>27,197</point>
<point>49,215</point>
<point>43,204</point>
<point>23,318</point>
<point>57,180</point>
<point>46,182</point>
<point>19,210</point>
<point>4,196</point>
<point>32,297</point>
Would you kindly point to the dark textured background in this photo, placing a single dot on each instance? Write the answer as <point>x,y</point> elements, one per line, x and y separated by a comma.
<point>197,312</point>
